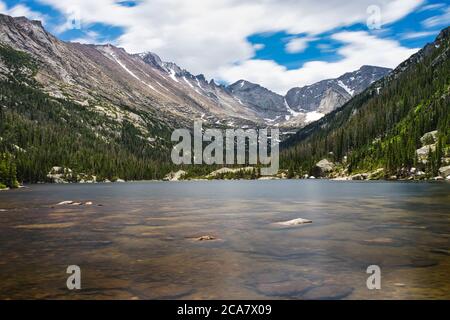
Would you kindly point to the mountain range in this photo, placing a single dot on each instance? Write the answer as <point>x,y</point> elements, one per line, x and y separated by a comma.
<point>104,76</point>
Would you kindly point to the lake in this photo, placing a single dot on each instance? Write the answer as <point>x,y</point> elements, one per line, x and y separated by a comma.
<point>140,240</point>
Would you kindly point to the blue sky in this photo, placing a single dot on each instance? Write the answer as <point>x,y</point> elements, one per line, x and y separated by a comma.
<point>279,44</point>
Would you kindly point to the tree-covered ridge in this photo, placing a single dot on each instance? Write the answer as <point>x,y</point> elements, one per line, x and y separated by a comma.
<point>39,132</point>
<point>382,127</point>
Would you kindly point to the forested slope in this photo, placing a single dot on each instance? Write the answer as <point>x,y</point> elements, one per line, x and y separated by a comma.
<point>383,126</point>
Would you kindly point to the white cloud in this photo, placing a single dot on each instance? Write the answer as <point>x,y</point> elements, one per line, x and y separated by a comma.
<point>434,6</point>
<point>418,35</point>
<point>89,38</point>
<point>297,45</point>
<point>439,20</point>
<point>258,46</point>
<point>21,10</point>
<point>211,37</point>
<point>360,48</point>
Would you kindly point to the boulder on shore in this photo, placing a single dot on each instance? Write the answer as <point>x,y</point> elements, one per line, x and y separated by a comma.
<point>444,171</point>
<point>229,170</point>
<point>60,175</point>
<point>323,167</point>
<point>429,138</point>
<point>422,153</point>
<point>175,176</point>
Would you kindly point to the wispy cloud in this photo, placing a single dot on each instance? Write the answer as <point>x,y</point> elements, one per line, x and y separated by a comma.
<point>439,20</point>
<point>434,6</point>
<point>418,35</point>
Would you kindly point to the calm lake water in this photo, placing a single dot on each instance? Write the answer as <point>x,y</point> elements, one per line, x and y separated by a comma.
<point>138,240</point>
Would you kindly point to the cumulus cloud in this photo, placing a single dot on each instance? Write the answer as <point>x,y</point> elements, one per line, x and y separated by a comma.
<point>211,37</point>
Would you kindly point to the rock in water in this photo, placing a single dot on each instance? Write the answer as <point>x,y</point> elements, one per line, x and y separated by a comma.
<point>294,222</point>
<point>328,292</point>
<point>65,203</point>
<point>288,289</point>
<point>206,238</point>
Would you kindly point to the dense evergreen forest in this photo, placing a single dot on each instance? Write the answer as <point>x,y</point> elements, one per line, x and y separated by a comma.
<point>38,132</point>
<point>382,127</point>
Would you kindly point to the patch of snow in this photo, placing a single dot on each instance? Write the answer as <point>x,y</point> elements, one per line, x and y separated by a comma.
<point>239,100</point>
<point>130,72</point>
<point>159,84</point>
<point>190,84</point>
<point>292,112</point>
<point>173,76</point>
<point>314,116</point>
<point>343,86</point>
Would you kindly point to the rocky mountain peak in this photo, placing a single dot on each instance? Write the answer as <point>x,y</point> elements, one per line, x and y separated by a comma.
<point>331,94</point>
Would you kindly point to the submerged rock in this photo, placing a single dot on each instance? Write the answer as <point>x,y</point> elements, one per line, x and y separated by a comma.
<point>206,238</point>
<point>380,241</point>
<point>288,289</point>
<point>328,292</point>
<point>294,222</point>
